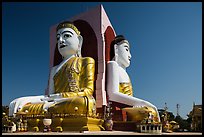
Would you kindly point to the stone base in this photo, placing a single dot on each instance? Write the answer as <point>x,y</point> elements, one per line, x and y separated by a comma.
<point>68,124</point>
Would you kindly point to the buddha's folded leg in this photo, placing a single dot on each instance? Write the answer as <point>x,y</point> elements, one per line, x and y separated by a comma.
<point>141,113</point>
<point>33,108</point>
<point>74,105</point>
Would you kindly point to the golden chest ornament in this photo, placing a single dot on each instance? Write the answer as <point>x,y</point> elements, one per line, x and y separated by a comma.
<point>67,78</point>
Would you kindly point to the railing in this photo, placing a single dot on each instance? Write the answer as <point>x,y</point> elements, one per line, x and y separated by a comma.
<point>150,128</point>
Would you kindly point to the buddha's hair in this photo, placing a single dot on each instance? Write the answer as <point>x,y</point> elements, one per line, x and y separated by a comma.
<point>68,24</point>
<point>117,40</point>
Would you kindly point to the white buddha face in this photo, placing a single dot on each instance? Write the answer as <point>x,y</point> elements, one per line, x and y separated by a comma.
<point>124,55</point>
<point>68,42</point>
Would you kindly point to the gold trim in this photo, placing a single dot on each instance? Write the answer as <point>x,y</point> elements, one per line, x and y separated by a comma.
<point>68,25</point>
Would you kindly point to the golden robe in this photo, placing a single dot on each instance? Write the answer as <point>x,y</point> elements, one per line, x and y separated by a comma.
<point>75,81</point>
<point>126,88</point>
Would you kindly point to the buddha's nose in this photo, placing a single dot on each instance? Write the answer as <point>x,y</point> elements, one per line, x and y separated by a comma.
<point>129,57</point>
<point>61,40</point>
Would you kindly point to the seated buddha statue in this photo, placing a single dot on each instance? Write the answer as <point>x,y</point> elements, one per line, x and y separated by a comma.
<point>71,82</point>
<point>119,87</point>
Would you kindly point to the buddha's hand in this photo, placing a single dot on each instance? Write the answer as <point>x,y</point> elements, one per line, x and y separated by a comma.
<point>52,97</point>
<point>55,96</point>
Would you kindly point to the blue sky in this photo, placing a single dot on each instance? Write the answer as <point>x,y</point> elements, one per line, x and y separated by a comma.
<point>165,38</point>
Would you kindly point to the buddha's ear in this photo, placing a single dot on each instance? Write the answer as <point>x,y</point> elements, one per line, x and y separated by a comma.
<point>80,40</point>
<point>116,52</point>
<point>80,45</point>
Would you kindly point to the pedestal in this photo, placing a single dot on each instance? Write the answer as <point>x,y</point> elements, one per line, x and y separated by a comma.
<point>77,124</point>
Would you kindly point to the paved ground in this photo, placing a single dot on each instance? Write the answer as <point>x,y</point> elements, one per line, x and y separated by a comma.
<point>99,133</point>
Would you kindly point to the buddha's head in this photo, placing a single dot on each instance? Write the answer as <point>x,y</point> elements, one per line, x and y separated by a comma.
<point>121,49</point>
<point>69,40</point>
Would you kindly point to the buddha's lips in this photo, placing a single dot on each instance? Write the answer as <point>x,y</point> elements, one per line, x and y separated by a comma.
<point>62,46</point>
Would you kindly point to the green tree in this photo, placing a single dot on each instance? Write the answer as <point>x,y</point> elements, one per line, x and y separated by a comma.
<point>189,121</point>
<point>170,115</point>
<point>5,109</point>
<point>183,123</point>
<point>5,117</point>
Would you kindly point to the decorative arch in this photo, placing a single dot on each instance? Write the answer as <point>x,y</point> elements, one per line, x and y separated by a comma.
<point>89,47</point>
<point>109,36</point>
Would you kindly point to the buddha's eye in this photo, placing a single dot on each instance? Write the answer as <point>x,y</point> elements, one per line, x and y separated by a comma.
<point>127,49</point>
<point>67,35</point>
<point>58,37</point>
